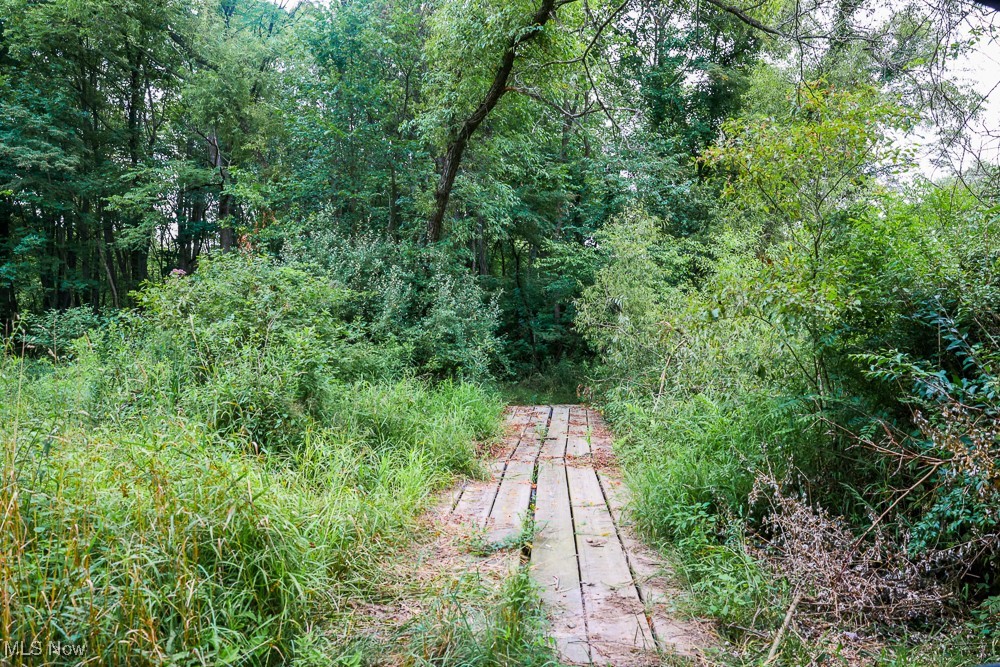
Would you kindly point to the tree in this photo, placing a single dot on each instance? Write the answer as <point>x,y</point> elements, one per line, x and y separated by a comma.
<point>515,33</point>
<point>802,184</point>
<point>86,91</point>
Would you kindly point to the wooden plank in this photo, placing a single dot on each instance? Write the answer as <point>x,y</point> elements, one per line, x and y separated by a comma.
<point>578,420</point>
<point>543,411</point>
<point>658,595</point>
<point>617,496</point>
<point>554,446</point>
<point>559,424</point>
<point>604,591</point>
<point>513,499</point>
<point>616,620</point>
<point>578,442</point>
<point>477,498</point>
<point>576,447</point>
<point>645,567</point>
<point>554,563</point>
<point>521,417</point>
<point>536,427</point>
<point>517,430</point>
<point>596,420</point>
<point>476,501</point>
<point>455,494</point>
<point>600,436</point>
<point>528,447</point>
<point>642,560</point>
<point>510,509</point>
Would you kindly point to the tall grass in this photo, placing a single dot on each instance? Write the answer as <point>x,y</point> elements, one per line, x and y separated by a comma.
<point>510,632</point>
<point>155,540</point>
<point>470,623</point>
<point>756,440</point>
<point>691,464</point>
<point>140,525</point>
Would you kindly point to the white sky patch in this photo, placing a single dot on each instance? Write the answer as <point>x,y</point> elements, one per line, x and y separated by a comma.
<point>979,69</point>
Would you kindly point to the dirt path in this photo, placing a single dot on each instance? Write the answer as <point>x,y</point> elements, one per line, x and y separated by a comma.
<point>605,592</point>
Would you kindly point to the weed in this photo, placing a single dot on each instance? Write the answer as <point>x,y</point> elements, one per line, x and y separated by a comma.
<point>480,544</point>
<point>198,491</point>
<point>506,632</point>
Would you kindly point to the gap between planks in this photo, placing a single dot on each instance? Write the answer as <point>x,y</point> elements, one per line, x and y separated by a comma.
<point>589,583</point>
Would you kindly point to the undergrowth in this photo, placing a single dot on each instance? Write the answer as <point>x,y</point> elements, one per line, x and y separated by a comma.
<point>559,383</point>
<point>807,439</point>
<point>468,624</point>
<point>477,631</point>
<point>197,485</point>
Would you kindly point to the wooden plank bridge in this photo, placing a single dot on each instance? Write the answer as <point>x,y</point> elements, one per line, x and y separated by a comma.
<point>601,587</point>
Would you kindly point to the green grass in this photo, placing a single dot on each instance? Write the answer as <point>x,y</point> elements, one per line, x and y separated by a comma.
<point>690,466</point>
<point>470,624</point>
<point>153,538</point>
<point>482,630</point>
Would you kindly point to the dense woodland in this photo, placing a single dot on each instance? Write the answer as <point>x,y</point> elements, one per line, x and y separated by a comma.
<point>270,271</point>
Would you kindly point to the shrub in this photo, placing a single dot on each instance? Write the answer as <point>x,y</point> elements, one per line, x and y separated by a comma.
<point>247,345</point>
<point>214,473</point>
<point>418,298</point>
<point>843,344</point>
<point>53,331</point>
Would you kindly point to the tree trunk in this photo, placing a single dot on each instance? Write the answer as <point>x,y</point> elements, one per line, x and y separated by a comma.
<point>8,295</point>
<point>456,147</point>
<point>393,197</point>
<point>139,257</point>
<point>105,247</point>
<point>227,233</point>
<point>190,223</point>
<point>481,262</point>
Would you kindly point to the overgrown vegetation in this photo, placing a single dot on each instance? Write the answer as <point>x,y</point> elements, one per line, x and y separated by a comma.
<point>207,481</point>
<point>269,270</point>
<point>510,632</point>
<point>809,419</point>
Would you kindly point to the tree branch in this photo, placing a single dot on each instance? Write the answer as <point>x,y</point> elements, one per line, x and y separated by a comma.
<point>457,145</point>
<point>746,18</point>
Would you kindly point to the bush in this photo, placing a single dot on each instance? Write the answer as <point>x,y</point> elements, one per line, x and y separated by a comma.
<point>215,473</point>
<point>53,331</point>
<point>410,296</point>
<point>247,345</point>
<point>844,348</point>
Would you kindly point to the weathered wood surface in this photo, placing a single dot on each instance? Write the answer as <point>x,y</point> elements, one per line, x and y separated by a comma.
<point>615,616</point>
<point>476,499</point>
<point>554,563</point>
<point>603,590</point>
